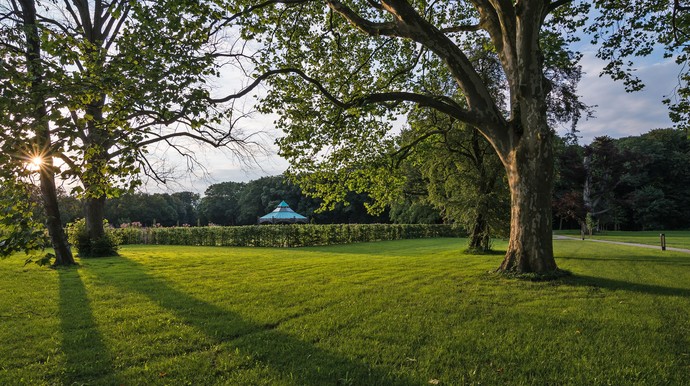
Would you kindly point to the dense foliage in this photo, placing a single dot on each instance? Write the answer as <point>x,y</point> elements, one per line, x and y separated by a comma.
<point>20,229</point>
<point>94,83</point>
<point>231,203</point>
<point>452,169</point>
<point>633,183</point>
<point>79,238</point>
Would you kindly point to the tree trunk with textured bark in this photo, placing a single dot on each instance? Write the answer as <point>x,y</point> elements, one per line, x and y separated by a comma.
<point>94,213</point>
<point>63,254</point>
<point>58,239</point>
<point>479,236</point>
<point>529,166</point>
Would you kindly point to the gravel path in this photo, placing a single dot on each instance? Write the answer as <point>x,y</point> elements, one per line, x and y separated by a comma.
<point>560,237</point>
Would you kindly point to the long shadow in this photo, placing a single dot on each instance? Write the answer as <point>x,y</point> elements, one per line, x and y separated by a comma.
<point>291,357</point>
<point>87,358</point>
<point>651,289</point>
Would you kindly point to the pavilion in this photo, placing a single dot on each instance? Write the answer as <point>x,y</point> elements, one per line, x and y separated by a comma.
<point>283,215</point>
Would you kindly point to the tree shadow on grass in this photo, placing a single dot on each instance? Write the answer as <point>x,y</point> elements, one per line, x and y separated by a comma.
<point>612,284</point>
<point>87,358</point>
<point>287,355</point>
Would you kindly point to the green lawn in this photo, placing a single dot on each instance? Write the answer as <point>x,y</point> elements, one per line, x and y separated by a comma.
<point>413,312</point>
<point>676,239</point>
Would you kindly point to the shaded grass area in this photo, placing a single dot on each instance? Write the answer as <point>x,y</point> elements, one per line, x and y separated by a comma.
<point>388,313</point>
<point>675,239</point>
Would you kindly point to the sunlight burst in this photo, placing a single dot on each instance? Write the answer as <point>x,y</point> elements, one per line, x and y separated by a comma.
<point>35,163</point>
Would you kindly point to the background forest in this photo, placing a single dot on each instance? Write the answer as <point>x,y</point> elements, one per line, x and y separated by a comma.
<point>632,183</point>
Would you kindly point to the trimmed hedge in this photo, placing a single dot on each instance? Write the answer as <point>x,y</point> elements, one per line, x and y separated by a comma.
<point>284,235</point>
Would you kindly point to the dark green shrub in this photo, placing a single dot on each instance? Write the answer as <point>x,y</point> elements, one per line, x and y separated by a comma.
<point>285,235</point>
<point>105,245</point>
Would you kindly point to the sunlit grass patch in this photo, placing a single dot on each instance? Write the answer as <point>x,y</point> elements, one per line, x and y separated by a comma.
<point>405,312</point>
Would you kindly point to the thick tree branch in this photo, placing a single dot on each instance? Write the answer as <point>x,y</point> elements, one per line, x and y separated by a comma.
<point>366,26</point>
<point>108,31</point>
<point>439,103</point>
<point>555,5</point>
<point>85,17</point>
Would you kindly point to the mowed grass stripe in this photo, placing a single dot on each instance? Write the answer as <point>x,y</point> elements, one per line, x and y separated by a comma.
<point>675,239</point>
<point>405,312</point>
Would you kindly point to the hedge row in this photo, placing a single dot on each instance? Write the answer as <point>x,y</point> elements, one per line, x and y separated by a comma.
<point>284,235</point>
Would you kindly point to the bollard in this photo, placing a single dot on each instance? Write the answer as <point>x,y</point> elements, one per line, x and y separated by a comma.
<point>662,238</point>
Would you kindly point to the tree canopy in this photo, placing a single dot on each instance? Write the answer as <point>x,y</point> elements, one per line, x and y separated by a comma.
<point>341,72</point>
<point>119,76</point>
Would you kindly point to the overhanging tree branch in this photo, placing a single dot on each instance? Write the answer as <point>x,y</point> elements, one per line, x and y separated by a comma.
<point>444,105</point>
<point>366,26</point>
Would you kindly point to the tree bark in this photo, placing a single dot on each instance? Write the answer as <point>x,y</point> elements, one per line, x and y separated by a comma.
<point>63,254</point>
<point>94,213</point>
<point>530,177</point>
<point>528,152</point>
<point>479,236</point>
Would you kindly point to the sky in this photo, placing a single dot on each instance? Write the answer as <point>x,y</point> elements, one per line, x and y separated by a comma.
<point>617,114</point>
<point>620,114</point>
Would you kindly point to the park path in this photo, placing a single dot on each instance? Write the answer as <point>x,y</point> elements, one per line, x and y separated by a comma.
<point>561,237</point>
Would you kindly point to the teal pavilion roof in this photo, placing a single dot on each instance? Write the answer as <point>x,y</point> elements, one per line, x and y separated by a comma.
<point>282,214</point>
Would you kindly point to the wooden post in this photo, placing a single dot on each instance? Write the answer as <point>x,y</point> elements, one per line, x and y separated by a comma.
<point>663,241</point>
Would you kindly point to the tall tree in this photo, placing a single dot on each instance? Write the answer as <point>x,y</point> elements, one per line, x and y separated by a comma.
<point>603,165</point>
<point>31,110</point>
<point>570,174</point>
<point>220,204</point>
<point>462,175</point>
<point>124,75</point>
<point>344,68</point>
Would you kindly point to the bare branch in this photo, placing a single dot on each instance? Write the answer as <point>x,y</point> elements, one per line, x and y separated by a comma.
<point>462,28</point>
<point>227,21</point>
<point>405,150</point>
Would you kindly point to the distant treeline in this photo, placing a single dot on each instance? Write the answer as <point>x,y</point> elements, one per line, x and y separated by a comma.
<point>226,203</point>
<point>633,183</point>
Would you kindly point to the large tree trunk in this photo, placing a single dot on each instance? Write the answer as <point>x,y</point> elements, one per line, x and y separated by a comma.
<point>43,142</point>
<point>94,213</point>
<point>530,177</point>
<point>480,236</point>
<point>63,254</point>
<point>528,152</point>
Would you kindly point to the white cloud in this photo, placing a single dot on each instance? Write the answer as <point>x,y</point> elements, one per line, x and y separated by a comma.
<point>620,114</point>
